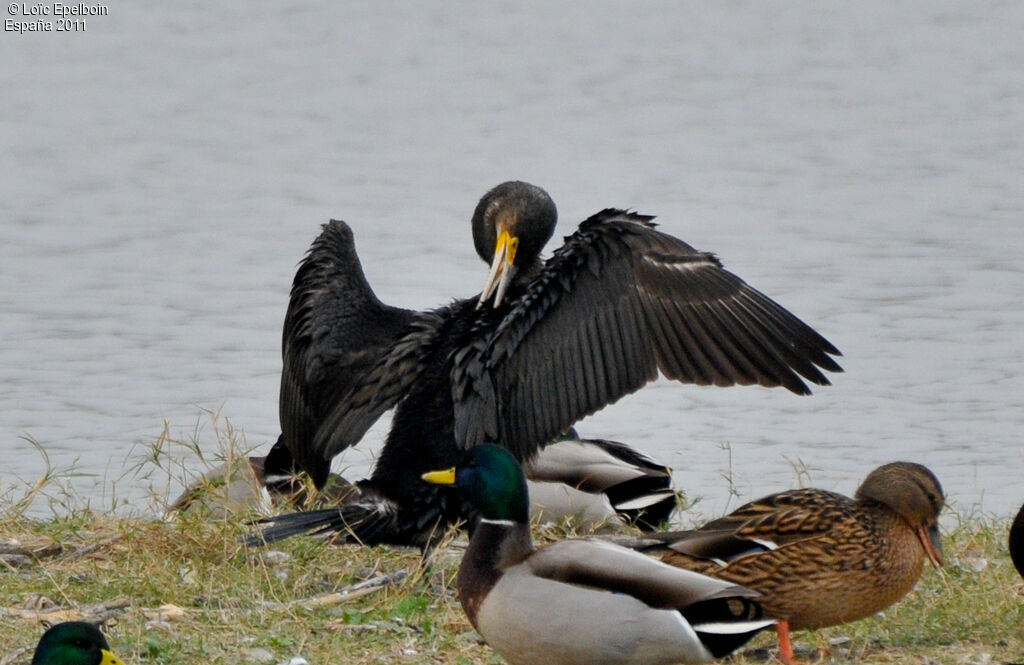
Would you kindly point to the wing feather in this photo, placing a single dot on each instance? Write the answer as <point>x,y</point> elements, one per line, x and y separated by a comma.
<point>616,304</point>
<point>602,565</point>
<point>340,346</point>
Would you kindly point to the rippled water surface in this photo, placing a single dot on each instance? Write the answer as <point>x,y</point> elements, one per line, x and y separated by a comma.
<point>163,173</point>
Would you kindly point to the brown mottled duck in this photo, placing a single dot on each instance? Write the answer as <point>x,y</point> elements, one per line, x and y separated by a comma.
<point>817,557</point>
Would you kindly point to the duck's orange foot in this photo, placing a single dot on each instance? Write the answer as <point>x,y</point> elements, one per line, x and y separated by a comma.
<point>785,644</point>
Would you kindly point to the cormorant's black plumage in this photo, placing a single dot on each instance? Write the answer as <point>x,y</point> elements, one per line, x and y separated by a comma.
<point>1017,541</point>
<point>614,305</point>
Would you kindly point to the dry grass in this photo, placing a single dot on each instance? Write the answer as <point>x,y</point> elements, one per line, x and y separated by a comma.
<point>238,604</point>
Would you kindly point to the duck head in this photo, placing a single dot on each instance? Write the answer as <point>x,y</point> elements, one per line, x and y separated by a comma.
<point>489,478</point>
<point>914,493</point>
<point>74,643</point>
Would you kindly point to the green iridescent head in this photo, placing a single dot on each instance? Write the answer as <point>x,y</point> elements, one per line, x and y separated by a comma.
<point>74,643</point>
<point>490,479</point>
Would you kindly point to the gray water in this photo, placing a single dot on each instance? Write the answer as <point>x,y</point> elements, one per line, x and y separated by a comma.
<point>163,172</point>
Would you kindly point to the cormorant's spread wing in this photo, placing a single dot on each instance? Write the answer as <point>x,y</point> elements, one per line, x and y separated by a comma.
<point>618,302</point>
<point>347,356</point>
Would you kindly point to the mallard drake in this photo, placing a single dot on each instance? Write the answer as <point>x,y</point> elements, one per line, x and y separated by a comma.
<point>577,602</point>
<point>74,643</point>
<point>1017,542</point>
<point>545,344</point>
<point>598,481</point>
<point>819,558</point>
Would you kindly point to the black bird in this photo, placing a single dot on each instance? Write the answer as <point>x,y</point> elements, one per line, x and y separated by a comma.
<point>1016,542</point>
<point>545,344</point>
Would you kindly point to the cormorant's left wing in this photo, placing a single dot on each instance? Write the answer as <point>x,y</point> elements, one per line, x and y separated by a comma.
<point>348,357</point>
<point>616,304</point>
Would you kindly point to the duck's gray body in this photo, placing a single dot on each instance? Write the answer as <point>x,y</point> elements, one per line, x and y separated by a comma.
<point>583,602</point>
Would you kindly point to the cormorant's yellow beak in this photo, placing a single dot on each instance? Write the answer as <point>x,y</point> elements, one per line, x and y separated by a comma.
<point>929,537</point>
<point>109,658</point>
<point>503,268</point>
<point>444,477</point>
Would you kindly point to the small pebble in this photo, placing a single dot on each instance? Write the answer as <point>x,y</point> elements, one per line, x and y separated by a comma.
<point>276,557</point>
<point>16,560</point>
<point>157,624</point>
<point>38,601</point>
<point>188,576</point>
<point>165,613</point>
<point>975,564</point>
<point>255,655</point>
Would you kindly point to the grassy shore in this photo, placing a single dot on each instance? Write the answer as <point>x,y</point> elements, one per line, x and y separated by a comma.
<point>187,591</point>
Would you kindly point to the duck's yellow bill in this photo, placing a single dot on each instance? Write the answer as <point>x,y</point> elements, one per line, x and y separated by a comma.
<point>503,268</point>
<point>110,659</point>
<point>445,477</point>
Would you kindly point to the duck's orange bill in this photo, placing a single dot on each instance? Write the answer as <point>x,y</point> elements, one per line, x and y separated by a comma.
<point>929,537</point>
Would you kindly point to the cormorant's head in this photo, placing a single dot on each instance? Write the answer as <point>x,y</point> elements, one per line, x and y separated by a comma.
<point>74,643</point>
<point>491,480</point>
<point>511,224</point>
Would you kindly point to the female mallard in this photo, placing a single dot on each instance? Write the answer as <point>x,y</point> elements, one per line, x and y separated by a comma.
<point>819,558</point>
<point>74,643</point>
<point>1017,542</point>
<point>581,601</point>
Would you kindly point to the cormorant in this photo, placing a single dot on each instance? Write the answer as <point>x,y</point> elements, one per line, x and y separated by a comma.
<point>1016,541</point>
<point>545,344</point>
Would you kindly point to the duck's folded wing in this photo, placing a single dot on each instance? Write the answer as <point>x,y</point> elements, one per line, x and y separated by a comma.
<point>785,517</point>
<point>601,565</point>
<point>592,465</point>
<point>616,304</point>
<point>347,356</point>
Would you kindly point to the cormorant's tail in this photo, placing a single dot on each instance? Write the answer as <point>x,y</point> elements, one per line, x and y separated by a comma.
<point>359,522</point>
